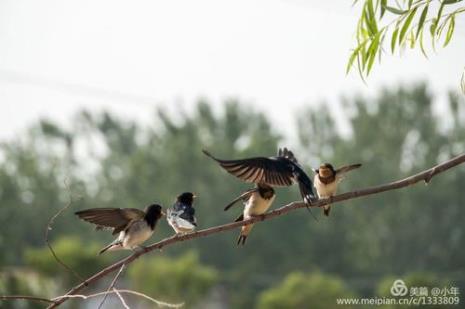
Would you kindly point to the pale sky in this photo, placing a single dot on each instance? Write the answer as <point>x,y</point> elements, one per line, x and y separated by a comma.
<point>57,57</point>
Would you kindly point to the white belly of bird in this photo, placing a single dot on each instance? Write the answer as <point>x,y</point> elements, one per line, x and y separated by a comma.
<point>137,234</point>
<point>256,205</point>
<point>325,190</point>
<point>179,224</point>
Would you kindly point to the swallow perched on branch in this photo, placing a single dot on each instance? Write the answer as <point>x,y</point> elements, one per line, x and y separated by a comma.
<point>181,215</point>
<point>133,225</point>
<point>256,202</point>
<point>280,171</point>
<point>326,180</point>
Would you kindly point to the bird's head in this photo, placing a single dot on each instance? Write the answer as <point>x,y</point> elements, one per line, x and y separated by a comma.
<point>265,191</point>
<point>154,211</point>
<point>186,198</point>
<point>326,170</point>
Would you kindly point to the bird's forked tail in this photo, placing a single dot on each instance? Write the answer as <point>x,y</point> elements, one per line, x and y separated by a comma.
<point>113,245</point>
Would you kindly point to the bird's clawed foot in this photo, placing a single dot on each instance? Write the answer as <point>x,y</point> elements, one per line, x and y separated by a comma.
<point>140,248</point>
<point>180,234</point>
<point>259,217</point>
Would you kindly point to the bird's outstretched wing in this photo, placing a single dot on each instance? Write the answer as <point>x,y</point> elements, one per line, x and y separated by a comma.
<point>347,168</point>
<point>270,171</point>
<point>281,171</point>
<point>116,218</point>
<point>243,196</point>
<point>286,153</point>
<point>305,184</point>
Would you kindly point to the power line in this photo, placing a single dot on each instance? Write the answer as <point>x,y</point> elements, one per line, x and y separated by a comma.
<point>73,88</point>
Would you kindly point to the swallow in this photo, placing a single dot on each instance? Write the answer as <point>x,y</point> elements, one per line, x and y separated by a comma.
<point>181,215</point>
<point>279,171</point>
<point>256,202</point>
<point>326,180</point>
<point>133,225</point>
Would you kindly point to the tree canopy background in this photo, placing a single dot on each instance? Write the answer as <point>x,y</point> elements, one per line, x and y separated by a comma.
<point>104,161</point>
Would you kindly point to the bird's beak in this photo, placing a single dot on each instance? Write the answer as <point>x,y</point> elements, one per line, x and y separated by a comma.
<point>194,195</point>
<point>163,213</point>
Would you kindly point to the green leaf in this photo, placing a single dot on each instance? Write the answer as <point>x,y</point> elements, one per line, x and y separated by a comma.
<point>371,11</point>
<point>450,1</point>
<point>421,22</point>
<point>394,39</point>
<point>412,40</point>
<point>372,51</point>
<point>351,61</point>
<point>360,30</point>
<point>371,60</point>
<point>382,8</point>
<point>370,18</point>
<point>352,57</point>
<point>364,56</point>
<point>450,30</point>
<point>440,28</point>
<point>432,27</point>
<point>407,23</point>
<point>395,10</point>
<point>422,47</point>
<point>360,72</point>
<point>438,17</point>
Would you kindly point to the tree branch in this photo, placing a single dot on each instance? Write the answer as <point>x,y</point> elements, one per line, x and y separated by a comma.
<point>49,228</point>
<point>25,297</point>
<point>159,303</point>
<point>422,176</point>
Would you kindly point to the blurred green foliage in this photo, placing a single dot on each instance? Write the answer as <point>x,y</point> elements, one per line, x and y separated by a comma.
<point>112,162</point>
<point>78,255</point>
<point>17,281</point>
<point>181,279</point>
<point>299,290</point>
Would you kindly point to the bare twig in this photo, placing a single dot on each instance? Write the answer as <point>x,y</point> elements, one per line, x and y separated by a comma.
<point>25,297</point>
<point>116,291</point>
<point>158,302</point>
<point>112,285</point>
<point>49,228</point>
<point>422,176</point>
<point>121,299</point>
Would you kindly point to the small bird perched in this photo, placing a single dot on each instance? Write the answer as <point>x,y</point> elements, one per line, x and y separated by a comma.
<point>133,225</point>
<point>280,171</point>
<point>181,215</point>
<point>326,180</point>
<point>256,202</point>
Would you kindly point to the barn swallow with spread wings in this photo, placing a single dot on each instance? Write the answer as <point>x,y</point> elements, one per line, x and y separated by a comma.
<point>327,179</point>
<point>279,171</point>
<point>133,225</point>
<point>256,202</point>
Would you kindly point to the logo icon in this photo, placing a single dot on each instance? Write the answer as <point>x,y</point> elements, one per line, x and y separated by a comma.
<point>399,288</point>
